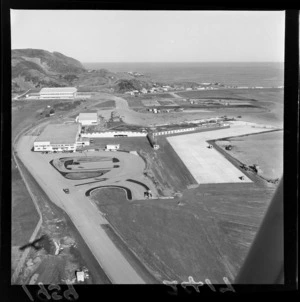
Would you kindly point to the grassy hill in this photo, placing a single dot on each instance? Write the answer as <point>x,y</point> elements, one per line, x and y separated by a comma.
<point>37,68</point>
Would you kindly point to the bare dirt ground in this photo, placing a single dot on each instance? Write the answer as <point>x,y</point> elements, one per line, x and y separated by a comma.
<point>150,119</point>
<point>269,99</point>
<point>265,150</point>
<point>269,110</point>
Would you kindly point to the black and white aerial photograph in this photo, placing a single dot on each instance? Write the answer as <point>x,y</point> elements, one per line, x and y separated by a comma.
<point>147,147</point>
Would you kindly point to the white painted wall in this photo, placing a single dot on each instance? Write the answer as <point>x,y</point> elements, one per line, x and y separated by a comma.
<point>46,146</point>
<point>87,122</point>
<point>113,133</point>
<point>207,126</point>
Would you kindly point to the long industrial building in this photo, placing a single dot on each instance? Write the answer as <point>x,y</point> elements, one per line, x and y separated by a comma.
<point>58,137</point>
<point>58,93</point>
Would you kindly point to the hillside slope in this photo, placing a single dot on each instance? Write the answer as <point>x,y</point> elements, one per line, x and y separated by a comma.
<point>37,68</point>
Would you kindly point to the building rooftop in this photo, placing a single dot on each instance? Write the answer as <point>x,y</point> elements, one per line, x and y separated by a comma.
<point>84,116</point>
<point>58,89</point>
<point>59,134</point>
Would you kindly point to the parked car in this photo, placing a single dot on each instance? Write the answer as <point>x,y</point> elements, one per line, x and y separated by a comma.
<point>66,191</point>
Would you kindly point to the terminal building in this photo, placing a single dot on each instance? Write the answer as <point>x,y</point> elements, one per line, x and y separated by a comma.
<point>58,93</point>
<point>58,137</point>
<point>87,118</point>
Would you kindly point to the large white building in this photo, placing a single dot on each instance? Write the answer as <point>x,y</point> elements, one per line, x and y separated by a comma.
<point>87,118</point>
<point>58,137</point>
<point>58,93</point>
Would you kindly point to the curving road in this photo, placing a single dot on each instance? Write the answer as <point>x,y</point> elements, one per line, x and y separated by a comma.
<point>130,166</point>
<point>84,214</point>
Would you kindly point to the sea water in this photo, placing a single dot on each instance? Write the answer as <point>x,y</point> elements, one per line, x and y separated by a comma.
<point>268,74</point>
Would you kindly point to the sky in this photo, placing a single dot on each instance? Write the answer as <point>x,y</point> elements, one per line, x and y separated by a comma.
<point>152,36</point>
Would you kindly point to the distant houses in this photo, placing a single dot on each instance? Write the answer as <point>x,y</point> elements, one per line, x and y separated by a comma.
<point>134,73</point>
<point>165,88</point>
<point>137,92</point>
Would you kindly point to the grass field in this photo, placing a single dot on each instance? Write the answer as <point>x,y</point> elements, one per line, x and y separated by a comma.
<point>24,214</point>
<point>66,106</point>
<point>83,175</point>
<point>138,101</point>
<point>133,101</point>
<point>252,94</point>
<point>168,102</point>
<point>207,237</point>
<point>109,196</point>
<point>270,101</point>
<point>106,104</point>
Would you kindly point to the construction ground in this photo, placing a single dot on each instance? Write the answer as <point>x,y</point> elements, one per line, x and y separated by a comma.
<point>200,222</point>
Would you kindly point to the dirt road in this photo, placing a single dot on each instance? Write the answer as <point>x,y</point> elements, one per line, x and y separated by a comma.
<point>83,213</point>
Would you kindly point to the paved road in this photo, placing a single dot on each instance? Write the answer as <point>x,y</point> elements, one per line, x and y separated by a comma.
<point>82,212</point>
<point>130,166</point>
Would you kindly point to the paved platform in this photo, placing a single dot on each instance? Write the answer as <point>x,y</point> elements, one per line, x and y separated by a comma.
<point>206,165</point>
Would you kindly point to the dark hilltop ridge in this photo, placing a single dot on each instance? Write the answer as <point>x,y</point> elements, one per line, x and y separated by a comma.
<point>37,68</point>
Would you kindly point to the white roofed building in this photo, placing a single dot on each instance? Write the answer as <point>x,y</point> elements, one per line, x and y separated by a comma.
<point>87,118</point>
<point>58,93</point>
<point>58,137</point>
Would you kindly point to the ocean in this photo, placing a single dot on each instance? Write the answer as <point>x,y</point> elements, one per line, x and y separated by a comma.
<point>233,74</point>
